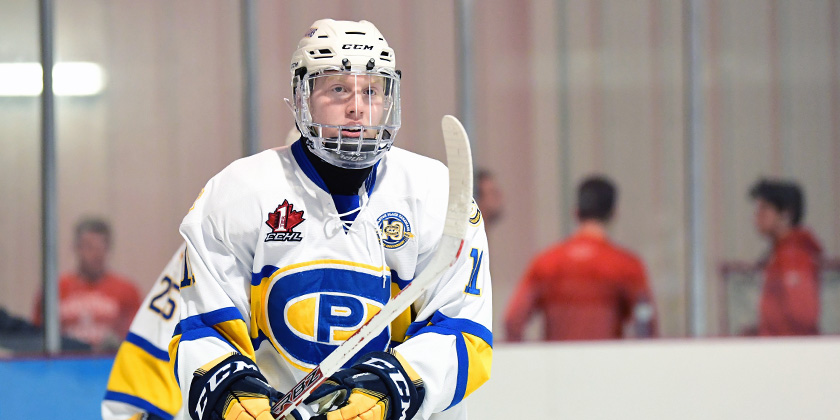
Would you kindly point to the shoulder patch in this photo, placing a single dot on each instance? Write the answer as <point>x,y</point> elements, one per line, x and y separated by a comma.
<point>396,230</point>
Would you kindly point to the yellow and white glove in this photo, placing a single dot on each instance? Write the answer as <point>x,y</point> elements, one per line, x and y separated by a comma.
<point>378,387</point>
<point>233,388</point>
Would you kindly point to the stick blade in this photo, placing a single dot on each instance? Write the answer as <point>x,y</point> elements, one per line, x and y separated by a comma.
<point>459,161</point>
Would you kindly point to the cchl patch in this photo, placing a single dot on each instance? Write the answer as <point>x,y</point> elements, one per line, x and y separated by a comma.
<point>395,229</point>
<point>282,221</point>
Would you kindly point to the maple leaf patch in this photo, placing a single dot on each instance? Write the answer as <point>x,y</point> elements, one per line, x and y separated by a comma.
<point>285,218</point>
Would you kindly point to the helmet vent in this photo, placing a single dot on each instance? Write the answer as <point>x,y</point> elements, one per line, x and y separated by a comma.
<point>354,33</point>
<point>321,53</point>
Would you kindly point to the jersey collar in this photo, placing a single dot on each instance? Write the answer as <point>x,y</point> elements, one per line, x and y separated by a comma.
<point>313,175</point>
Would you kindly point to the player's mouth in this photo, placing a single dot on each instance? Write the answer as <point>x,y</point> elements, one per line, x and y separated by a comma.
<point>351,132</point>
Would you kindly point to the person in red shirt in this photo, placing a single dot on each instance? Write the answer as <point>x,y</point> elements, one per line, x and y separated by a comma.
<point>790,301</point>
<point>96,305</point>
<point>586,287</point>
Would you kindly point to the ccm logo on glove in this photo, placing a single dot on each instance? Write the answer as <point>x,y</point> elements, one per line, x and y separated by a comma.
<point>399,381</point>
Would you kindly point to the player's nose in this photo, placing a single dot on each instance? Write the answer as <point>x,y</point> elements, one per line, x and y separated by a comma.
<point>356,106</point>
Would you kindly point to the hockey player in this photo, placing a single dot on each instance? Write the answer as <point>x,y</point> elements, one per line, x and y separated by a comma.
<point>291,250</point>
<point>142,384</point>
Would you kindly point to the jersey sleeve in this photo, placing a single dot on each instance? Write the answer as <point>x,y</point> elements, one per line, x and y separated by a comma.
<point>215,285</point>
<point>450,344</point>
<point>141,380</point>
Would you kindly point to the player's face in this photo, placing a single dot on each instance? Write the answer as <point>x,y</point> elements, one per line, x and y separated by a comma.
<point>91,250</point>
<point>348,100</point>
<point>767,218</point>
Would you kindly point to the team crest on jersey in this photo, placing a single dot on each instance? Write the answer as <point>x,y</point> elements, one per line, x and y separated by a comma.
<point>396,230</point>
<point>282,221</point>
<point>310,310</point>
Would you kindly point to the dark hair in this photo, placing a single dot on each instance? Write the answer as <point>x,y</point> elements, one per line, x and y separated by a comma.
<point>95,225</point>
<point>596,198</point>
<point>783,195</point>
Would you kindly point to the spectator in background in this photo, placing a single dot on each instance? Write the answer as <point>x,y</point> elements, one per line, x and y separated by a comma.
<point>95,305</point>
<point>488,196</point>
<point>790,296</point>
<point>587,287</point>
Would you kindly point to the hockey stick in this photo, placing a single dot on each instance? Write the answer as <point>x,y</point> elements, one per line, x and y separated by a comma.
<point>459,159</point>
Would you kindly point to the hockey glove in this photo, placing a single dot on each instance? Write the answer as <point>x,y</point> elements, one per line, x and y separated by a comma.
<point>378,387</point>
<point>234,389</point>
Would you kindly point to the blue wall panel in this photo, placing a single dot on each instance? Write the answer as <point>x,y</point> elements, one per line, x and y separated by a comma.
<point>53,388</point>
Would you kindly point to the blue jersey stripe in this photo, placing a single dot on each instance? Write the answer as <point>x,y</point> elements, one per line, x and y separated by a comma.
<point>147,346</point>
<point>306,165</point>
<point>208,319</point>
<point>457,324</point>
<point>463,360</point>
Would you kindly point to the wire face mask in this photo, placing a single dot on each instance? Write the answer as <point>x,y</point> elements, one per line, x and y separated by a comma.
<point>349,118</point>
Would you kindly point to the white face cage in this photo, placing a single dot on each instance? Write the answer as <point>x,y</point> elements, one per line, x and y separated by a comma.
<point>349,118</point>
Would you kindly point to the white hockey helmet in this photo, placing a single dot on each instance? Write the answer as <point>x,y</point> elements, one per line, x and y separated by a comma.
<point>347,65</point>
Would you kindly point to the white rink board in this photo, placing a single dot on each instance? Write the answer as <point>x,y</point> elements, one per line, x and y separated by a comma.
<point>719,379</point>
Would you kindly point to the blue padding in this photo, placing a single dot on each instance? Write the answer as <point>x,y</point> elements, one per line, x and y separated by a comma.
<point>70,389</point>
<point>147,346</point>
<point>139,403</point>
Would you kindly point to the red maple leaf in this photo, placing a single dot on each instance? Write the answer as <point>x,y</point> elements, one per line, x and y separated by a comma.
<point>284,218</point>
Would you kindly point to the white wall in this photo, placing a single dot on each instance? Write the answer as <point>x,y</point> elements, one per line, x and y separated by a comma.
<point>741,379</point>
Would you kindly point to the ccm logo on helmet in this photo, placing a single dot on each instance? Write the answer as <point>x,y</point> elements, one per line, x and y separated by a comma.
<point>356,47</point>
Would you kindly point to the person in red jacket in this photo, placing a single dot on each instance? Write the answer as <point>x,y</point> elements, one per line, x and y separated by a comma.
<point>790,301</point>
<point>586,287</point>
<point>96,305</point>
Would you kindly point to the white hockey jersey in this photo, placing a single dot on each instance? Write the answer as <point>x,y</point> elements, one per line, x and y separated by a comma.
<point>141,379</point>
<point>274,273</point>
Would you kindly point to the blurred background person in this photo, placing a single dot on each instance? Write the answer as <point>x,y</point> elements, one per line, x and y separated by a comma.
<point>790,301</point>
<point>586,287</point>
<point>96,305</point>
<point>489,197</point>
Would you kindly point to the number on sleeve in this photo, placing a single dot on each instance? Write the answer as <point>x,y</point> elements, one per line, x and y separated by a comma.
<point>476,256</point>
<point>169,305</point>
